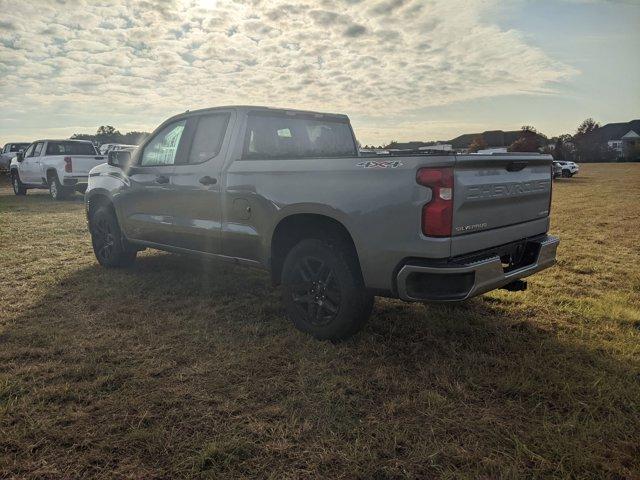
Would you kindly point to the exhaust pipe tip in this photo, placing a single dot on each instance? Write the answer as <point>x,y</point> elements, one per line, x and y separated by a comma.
<point>516,286</point>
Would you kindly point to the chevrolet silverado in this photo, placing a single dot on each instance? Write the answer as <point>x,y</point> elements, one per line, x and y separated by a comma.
<point>62,166</point>
<point>289,192</point>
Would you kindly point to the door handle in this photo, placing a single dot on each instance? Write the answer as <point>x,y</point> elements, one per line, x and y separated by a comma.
<point>162,179</point>
<point>208,180</point>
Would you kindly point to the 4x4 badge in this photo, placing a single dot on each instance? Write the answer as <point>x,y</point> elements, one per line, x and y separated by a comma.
<point>380,164</point>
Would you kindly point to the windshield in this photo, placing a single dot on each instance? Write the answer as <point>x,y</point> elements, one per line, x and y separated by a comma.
<point>70,148</point>
<point>16,147</point>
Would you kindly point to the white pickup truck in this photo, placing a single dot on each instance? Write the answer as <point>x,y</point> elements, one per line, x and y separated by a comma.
<point>62,166</point>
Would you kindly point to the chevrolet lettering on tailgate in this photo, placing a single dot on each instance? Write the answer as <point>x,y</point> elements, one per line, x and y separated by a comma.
<point>500,190</point>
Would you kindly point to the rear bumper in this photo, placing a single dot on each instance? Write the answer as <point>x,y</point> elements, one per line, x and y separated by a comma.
<point>460,280</point>
<point>72,181</point>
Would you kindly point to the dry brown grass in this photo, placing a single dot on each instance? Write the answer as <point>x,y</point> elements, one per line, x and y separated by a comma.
<point>181,369</point>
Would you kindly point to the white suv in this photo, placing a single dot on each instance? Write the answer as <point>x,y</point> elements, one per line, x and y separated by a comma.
<point>569,169</point>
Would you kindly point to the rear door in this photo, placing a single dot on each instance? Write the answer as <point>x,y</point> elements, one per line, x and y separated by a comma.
<point>146,204</point>
<point>196,193</point>
<point>496,191</point>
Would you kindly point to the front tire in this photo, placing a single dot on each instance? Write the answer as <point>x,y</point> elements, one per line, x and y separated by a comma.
<point>109,246</point>
<point>566,174</point>
<point>323,290</point>
<point>18,186</point>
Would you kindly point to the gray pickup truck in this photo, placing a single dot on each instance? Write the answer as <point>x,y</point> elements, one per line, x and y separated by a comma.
<point>287,191</point>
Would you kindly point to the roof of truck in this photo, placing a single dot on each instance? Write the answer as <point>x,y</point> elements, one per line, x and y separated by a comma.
<point>62,140</point>
<point>249,108</point>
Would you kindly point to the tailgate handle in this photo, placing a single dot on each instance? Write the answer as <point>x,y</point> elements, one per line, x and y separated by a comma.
<point>516,166</point>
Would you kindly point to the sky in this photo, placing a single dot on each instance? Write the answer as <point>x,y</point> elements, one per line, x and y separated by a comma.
<point>401,69</point>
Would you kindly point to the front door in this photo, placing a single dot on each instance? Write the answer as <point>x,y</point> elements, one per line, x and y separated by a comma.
<point>30,171</point>
<point>146,204</point>
<point>196,185</point>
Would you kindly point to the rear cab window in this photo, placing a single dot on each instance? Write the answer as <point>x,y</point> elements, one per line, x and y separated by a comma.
<point>207,139</point>
<point>282,136</point>
<point>70,148</point>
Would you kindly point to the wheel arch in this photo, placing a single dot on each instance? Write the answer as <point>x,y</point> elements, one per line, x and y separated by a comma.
<point>295,227</point>
<point>49,172</point>
<point>96,200</point>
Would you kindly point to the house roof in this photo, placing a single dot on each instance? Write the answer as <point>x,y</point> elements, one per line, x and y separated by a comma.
<point>493,138</point>
<point>615,131</point>
<point>631,134</point>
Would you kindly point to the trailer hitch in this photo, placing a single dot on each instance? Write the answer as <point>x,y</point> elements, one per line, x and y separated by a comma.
<point>516,286</point>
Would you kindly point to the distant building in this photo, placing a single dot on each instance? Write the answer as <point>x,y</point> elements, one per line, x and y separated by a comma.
<point>629,141</point>
<point>438,147</point>
<point>620,137</point>
<point>489,151</point>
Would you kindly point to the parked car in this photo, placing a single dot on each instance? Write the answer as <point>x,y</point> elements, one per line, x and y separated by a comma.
<point>557,169</point>
<point>115,147</point>
<point>62,166</point>
<point>9,151</point>
<point>287,191</point>
<point>569,169</point>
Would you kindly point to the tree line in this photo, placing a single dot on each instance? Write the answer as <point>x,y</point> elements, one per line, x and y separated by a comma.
<point>109,134</point>
<point>582,146</point>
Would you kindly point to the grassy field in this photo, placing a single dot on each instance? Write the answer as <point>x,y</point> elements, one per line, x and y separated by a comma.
<point>179,369</point>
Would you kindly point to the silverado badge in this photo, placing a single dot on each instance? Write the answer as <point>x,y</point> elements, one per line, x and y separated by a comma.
<point>380,164</point>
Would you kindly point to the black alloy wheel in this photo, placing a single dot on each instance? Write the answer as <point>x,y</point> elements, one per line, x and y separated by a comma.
<point>315,291</point>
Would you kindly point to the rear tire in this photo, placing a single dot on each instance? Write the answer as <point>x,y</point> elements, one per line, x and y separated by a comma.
<point>109,246</point>
<point>566,174</point>
<point>56,189</point>
<point>323,290</point>
<point>18,186</point>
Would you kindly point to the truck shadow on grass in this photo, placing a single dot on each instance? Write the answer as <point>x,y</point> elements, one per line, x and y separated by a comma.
<point>176,367</point>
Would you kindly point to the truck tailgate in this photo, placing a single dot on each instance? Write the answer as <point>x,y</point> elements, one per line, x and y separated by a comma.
<point>81,164</point>
<point>497,191</point>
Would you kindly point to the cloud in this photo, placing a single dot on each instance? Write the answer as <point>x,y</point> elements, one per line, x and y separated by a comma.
<point>157,57</point>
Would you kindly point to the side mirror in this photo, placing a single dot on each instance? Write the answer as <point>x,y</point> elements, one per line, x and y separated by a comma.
<point>120,159</point>
<point>20,156</point>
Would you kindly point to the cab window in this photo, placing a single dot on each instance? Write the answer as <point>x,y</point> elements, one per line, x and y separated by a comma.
<point>38,149</point>
<point>208,137</point>
<point>163,148</point>
<point>281,136</point>
<point>29,152</point>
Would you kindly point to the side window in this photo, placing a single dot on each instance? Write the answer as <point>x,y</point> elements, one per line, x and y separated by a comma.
<point>283,136</point>
<point>208,137</point>
<point>37,150</point>
<point>29,151</point>
<point>162,149</point>
<point>54,148</point>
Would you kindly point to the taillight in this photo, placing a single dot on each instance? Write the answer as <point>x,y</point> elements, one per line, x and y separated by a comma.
<point>437,215</point>
<point>68,166</point>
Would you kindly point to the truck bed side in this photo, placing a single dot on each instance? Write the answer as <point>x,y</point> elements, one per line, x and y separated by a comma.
<point>380,203</point>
